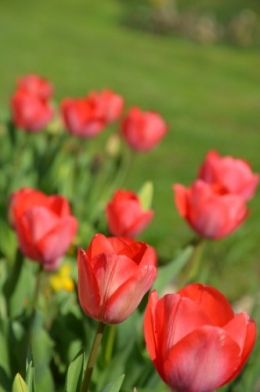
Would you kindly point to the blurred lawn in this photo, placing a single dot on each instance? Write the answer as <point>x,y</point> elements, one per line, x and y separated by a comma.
<point>210,97</point>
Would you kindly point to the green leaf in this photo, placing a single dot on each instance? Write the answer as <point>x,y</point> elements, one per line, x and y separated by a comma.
<point>19,287</point>
<point>146,195</point>
<point>11,340</point>
<point>7,240</point>
<point>114,386</point>
<point>30,371</point>
<point>116,366</point>
<point>168,273</point>
<point>42,347</point>
<point>75,373</point>
<point>19,384</point>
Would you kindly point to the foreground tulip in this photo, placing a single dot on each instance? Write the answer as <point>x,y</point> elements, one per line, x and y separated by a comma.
<point>233,175</point>
<point>210,212</point>
<point>113,276</point>
<point>195,340</point>
<point>30,112</point>
<point>125,215</point>
<point>43,224</point>
<point>35,85</point>
<point>84,117</point>
<point>143,130</point>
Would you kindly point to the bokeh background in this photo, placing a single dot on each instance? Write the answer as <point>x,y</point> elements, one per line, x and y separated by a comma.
<point>198,65</point>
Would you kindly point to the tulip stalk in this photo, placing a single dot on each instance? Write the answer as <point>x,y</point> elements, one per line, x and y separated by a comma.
<point>110,342</point>
<point>92,357</point>
<point>190,273</point>
<point>37,287</point>
<point>195,260</point>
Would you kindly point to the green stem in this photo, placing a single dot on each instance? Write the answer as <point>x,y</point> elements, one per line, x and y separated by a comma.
<point>129,166</point>
<point>28,341</point>
<point>92,358</point>
<point>37,287</point>
<point>195,260</point>
<point>110,342</point>
<point>192,269</point>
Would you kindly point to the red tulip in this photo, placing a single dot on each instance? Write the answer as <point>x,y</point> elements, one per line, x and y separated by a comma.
<point>233,175</point>
<point>35,85</point>
<point>113,276</point>
<point>84,117</point>
<point>143,130</point>
<point>125,215</point>
<point>43,224</point>
<point>30,112</point>
<point>195,340</point>
<point>211,213</point>
<point>112,104</point>
<point>23,199</point>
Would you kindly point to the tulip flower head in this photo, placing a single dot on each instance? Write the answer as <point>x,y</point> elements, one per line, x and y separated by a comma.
<point>113,276</point>
<point>44,226</point>
<point>30,112</point>
<point>30,104</point>
<point>233,175</point>
<point>35,85</point>
<point>125,215</point>
<point>82,117</point>
<point>143,130</point>
<point>111,102</point>
<point>196,342</point>
<point>210,212</point>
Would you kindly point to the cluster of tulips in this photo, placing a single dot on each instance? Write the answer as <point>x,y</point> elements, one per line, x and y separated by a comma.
<point>194,339</point>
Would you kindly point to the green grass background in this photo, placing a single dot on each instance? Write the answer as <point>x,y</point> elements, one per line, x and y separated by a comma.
<point>209,96</point>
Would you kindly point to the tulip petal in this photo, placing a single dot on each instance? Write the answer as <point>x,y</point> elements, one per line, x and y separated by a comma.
<point>150,332</point>
<point>128,296</point>
<point>243,330</point>
<point>214,304</point>
<point>41,221</point>
<point>180,196</point>
<point>111,272</point>
<point>24,237</point>
<point>206,171</point>
<point>140,224</point>
<point>59,205</point>
<point>175,317</point>
<point>99,244</point>
<point>26,198</point>
<point>31,227</point>
<point>57,241</point>
<point>202,361</point>
<point>88,289</point>
<point>140,253</point>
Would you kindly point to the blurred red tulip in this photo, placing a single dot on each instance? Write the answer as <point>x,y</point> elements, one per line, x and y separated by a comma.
<point>30,112</point>
<point>143,130</point>
<point>83,117</point>
<point>195,340</point>
<point>210,212</point>
<point>23,199</point>
<point>35,85</point>
<point>113,276</point>
<point>43,224</point>
<point>125,215</point>
<point>112,103</point>
<point>233,175</point>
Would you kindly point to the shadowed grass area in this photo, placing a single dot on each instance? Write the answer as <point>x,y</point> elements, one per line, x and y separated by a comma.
<point>208,95</point>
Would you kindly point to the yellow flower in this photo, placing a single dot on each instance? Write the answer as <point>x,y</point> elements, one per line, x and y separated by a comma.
<point>62,279</point>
